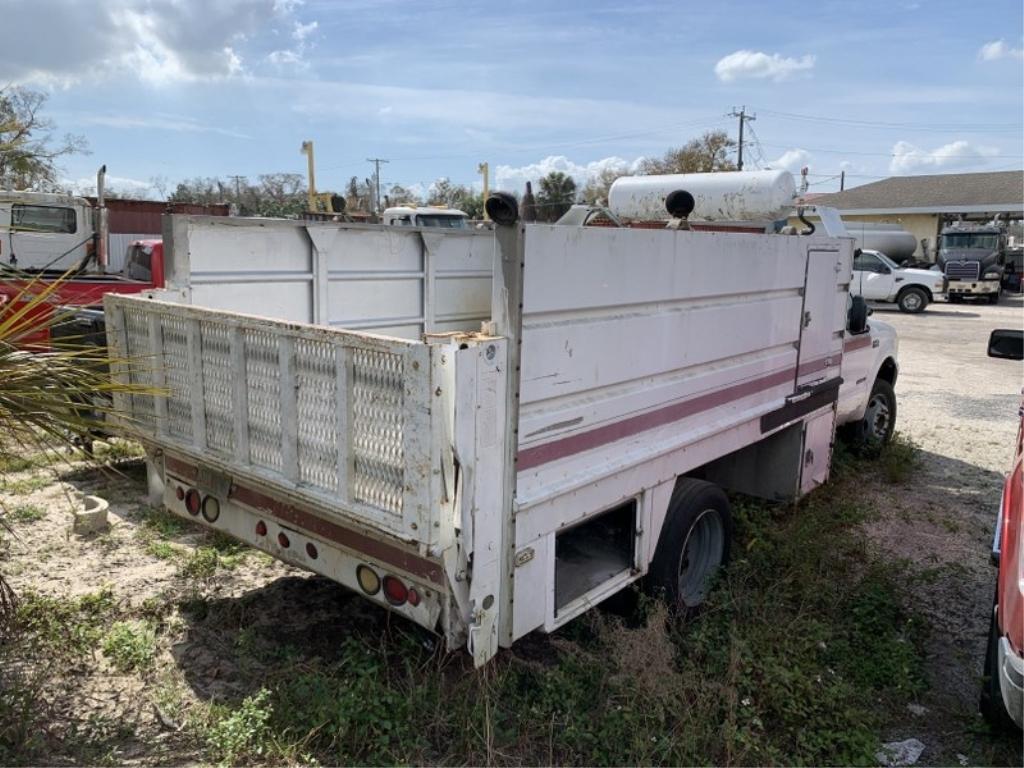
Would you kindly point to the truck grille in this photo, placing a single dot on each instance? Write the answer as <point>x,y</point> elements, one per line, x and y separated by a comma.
<point>962,270</point>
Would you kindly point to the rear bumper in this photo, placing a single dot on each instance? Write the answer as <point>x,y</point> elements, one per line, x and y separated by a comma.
<point>305,539</point>
<point>1011,681</point>
<point>973,287</point>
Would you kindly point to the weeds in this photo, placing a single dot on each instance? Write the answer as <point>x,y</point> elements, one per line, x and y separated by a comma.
<point>23,486</point>
<point>200,565</point>
<point>27,513</point>
<point>130,645</point>
<point>240,734</point>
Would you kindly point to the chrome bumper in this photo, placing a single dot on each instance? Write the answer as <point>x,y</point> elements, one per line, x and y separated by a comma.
<point>973,287</point>
<point>1011,681</point>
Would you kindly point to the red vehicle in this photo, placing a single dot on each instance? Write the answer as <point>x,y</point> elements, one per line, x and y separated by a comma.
<point>143,271</point>
<point>1002,695</point>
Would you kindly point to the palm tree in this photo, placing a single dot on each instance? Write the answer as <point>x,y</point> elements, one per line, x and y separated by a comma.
<point>557,194</point>
<point>49,399</point>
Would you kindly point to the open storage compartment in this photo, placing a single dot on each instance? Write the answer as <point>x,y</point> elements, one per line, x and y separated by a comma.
<point>589,554</point>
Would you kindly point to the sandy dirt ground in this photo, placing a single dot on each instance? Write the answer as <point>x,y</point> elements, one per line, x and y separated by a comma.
<point>955,403</point>
<point>960,408</point>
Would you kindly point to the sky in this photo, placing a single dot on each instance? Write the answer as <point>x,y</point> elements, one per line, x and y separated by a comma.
<point>170,89</point>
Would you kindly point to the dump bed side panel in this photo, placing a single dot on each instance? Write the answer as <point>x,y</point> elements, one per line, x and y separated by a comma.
<point>339,419</point>
<point>628,331</point>
<point>397,281</point>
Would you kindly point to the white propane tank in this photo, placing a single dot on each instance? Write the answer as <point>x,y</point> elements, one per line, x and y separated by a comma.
<point>726,196</point>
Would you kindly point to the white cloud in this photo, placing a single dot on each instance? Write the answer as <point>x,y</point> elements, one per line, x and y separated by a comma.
<point>159,122</point>
<point>302,31</point>
<point>757,65</point>
<point>998,49</point>
<point>909,159</point>
<point>120,184</point>
<point>159,42</point>
<point>791,160</point>
<point>513,179</point>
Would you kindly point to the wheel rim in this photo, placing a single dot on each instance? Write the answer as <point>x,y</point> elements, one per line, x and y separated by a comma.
<point>912,301</point>
<point>701,557</point>
<point>877,417</point>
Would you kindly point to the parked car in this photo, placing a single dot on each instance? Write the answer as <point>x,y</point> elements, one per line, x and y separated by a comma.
<point>876,277</point>
<point>1002,693</point>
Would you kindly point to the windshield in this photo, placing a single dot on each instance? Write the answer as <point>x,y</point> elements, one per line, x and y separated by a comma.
<point>441,220</point>
<point>886,260</point>
<point>962,240</point>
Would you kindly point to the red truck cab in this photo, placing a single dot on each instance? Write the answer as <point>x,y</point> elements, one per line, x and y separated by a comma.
<point>1002,696</point>
<point>143,271</point>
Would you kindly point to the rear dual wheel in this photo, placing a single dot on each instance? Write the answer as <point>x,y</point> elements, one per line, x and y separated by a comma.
<point>694,544</point>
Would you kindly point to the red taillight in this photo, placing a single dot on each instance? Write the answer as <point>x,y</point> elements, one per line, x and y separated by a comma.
<point>180,493</point>
<point>282,539</point>
<point>414,597</point>
<point>261,528</point>
<point>193,501</point>
<point>395,591</point>
<point>311,550</point>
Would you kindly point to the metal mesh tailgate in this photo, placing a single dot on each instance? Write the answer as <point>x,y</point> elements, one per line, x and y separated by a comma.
<point>340,418</point>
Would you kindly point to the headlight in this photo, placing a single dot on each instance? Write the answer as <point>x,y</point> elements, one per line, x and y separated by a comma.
<point>991,276</point>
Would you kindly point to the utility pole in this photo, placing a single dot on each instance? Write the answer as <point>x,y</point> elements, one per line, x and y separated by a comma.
<point>376,177</point>
<point>744,117</point>
<point>307,150</point>
<point>238,187</point>
<point>842,180</point>
<point>484,169</point>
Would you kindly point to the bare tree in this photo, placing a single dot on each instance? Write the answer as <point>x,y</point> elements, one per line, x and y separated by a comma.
<point>595,191</point>
<point>28,150</point>
<point>705,154</point>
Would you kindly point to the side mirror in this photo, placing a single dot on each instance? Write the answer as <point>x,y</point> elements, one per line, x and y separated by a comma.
<point>1006,344</point>
<point>857,317</point>
<point>885,270</point>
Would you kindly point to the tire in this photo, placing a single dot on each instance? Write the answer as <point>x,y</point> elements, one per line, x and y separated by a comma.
<point>912,300</point>
<point>875,429</point>
<point>991,703</point>
<point>993,298</point>
<point>694,544</point>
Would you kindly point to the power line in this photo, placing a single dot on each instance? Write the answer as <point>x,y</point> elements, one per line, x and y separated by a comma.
<point>940,128</point>
<point>709,121</point>
<point>937,153</point>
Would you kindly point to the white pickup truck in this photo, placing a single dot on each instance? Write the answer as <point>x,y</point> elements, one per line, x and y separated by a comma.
<point>876,277</point>
<point>489,432</point>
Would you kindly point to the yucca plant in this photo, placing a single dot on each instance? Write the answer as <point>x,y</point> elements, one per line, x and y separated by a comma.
<point>53,395</point>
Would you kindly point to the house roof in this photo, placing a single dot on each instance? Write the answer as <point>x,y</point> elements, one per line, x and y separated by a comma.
<point>992,192</point>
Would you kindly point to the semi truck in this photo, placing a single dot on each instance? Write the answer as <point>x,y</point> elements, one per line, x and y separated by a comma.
<point>972,257</point>
<point>489,432</point>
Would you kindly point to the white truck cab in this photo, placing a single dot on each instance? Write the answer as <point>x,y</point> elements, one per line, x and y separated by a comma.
<point>425,216</point>
<point>876,277</point>
<point>41,230</point>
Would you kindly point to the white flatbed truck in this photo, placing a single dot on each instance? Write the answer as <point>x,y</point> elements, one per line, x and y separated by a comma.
<point>485,432</point>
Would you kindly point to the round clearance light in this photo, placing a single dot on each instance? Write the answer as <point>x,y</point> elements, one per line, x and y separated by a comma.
<point>180,493</point>
<point>369,581</point>
<point>282,539</point>
<point>261,528</point>
<point>395,591</point>
<point>211,509</point>
<point>311,550</point>
<point>414,597</point>
<point>193,502</point>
